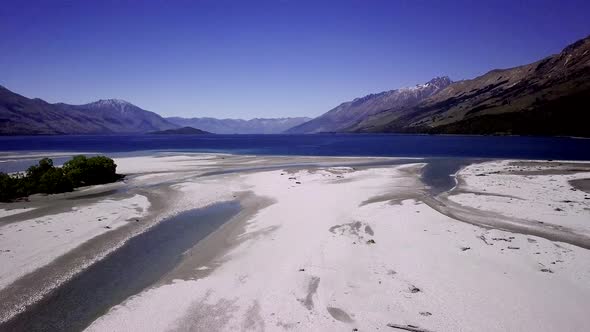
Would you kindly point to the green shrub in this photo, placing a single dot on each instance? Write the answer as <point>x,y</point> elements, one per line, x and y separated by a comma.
<point>35,172</point>
<point>84,171</point>
<point>7,187</point>
<point>54,181</point>
<point>75,170</point>
<point>48,179</point>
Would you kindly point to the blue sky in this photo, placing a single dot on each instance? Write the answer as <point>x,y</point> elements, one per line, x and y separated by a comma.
<point>245,59</point>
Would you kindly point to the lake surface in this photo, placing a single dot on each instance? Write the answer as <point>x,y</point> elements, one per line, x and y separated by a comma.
<point>315,145</point>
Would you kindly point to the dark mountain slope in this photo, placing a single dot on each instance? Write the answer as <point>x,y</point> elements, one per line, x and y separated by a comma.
<point>20,115</point>
<point>124,117</point>
<point>349,113</point>
<point>548,97</point>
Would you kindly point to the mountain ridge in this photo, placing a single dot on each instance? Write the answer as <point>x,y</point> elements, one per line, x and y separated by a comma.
<point>546,97</point>
<point>348,113</point>
<point>20,115</point>
<point>240,126</point>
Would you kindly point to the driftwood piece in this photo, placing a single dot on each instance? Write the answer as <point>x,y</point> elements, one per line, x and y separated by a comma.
<point>483,238</point>
<point>410,328</point>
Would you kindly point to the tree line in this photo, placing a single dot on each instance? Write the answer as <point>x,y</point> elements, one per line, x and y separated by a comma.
<point>46,178</point>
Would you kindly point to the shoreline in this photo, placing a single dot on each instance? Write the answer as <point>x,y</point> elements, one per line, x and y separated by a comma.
<point>318,133</point>
<point>32,287</point>
<point>266,190</point>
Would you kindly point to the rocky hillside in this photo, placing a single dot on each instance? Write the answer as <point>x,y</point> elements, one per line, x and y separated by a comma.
<point>238,126</point>
<point>548,97</point>
<point>20,115</point>
<point>350,113</point>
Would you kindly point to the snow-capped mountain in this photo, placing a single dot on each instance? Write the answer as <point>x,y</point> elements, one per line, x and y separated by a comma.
<point>350,113</point>
<point>20,115</point>
<point>547,97</point>
<point>117,104</point>
<point>126,117</point>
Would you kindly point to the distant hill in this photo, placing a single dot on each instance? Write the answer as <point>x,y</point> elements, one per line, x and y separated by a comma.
<point>20,115</point>
<point>350,113</point>
<point>238,126</point>
<point>548,97</point>
<point>181,131</point>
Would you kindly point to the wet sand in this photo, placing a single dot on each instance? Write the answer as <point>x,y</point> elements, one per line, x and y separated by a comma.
<point>538,198</point>
<point>138,264</point>
<point>581,184</point>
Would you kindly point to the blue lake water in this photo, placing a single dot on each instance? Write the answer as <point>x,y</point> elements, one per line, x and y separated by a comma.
<point>315,145</point>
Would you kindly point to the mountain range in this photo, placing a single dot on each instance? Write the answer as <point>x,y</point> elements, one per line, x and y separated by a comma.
<point>547,97</point>
<point>350,113</point>
<point>20,115</point>
<point>239,126</point>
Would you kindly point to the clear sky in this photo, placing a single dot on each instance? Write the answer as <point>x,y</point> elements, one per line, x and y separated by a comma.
<point>246,59</point>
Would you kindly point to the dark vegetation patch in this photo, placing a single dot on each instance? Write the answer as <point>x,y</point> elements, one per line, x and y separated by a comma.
<point>562,116</point>
<point>48,179</point>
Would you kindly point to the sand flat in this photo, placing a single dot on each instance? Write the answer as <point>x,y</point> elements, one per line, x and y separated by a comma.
<point>337,244</point>
<point>320,259</point>
<point>33,243</point>
<point>10,212</point>
<point>538,191</point>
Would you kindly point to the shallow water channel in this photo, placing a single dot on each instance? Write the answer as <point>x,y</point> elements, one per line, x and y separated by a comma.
<point>138,264</point>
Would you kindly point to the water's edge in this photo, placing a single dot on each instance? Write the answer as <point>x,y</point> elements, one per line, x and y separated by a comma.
<point>138,264</point>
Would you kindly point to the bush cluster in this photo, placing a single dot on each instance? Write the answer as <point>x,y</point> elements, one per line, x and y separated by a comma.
<point>48,179</point>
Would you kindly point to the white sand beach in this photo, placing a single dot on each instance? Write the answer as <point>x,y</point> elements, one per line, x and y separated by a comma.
<point>538,191</point>
<point>332,248</point>
<point>36,242</point>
